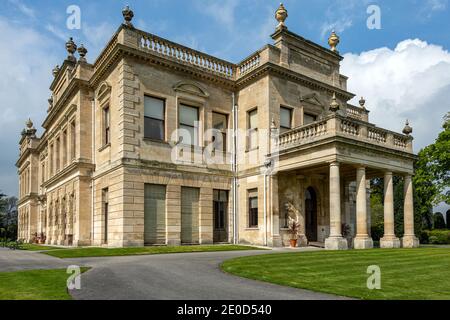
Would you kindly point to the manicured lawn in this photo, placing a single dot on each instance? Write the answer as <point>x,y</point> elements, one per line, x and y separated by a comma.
<point>414,274</point>
<point>36,247</point>
<point>35,285</point>
<point>106,252</point>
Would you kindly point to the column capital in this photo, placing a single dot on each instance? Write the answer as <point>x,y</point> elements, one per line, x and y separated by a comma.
<point>335,164</point>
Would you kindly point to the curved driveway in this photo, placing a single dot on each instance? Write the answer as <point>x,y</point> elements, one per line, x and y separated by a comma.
<point>182,276</point>
<point>190,276</point>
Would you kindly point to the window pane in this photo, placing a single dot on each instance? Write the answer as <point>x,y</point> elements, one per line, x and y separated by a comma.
<point>188,115</point>
<point>154,108</point>
<point>154,129</point>
<point>253,119</point>
<point>188,135</point>
<point>254,203</point>
<point>285,118</point>
<point>219,121</point>
<point>309,118</point>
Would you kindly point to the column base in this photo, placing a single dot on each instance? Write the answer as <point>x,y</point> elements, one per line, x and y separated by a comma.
<point>360,243</point>
<point>336,243</point>
<point>276,242</point>
<point>410,242</point>
<point>302,241</point>
<point>390,243</point>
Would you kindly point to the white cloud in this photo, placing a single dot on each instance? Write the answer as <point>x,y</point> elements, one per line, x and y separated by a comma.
<point>410,82</point>
<point>221,11</point>
<point>339,26</point>
<point>23,8</point>
<point>25,64</point>
<point>97,36</point>
<point>436,5</point>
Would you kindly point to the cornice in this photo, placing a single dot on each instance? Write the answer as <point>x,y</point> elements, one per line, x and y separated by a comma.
<point>69,92</point>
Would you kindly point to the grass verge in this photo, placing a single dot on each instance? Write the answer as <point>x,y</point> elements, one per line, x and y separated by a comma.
<point>111,252</point>
<point>414,274</point>
<point>35,285</point>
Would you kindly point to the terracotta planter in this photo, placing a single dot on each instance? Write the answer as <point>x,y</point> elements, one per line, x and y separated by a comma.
<point>293,243</point>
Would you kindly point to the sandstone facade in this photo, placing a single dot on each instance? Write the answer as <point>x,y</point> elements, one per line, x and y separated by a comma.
<point>107,171</point>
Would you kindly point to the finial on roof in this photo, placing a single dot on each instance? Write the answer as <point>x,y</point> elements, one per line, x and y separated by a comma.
<point>82,51</point>
<point>334,105</point>
<point>71,48</point>
<point>55,70</point>
<point>29,124</point>
<point>128,15</point>
<point>334,41</point>
<point>362,103</point>
<point>407,130</point>
<point>281,15</point>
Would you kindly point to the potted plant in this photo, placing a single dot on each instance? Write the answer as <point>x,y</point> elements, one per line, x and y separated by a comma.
<point>294,228</point>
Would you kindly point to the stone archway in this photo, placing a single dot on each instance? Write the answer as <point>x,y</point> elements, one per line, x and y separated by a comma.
<point>311,205</point>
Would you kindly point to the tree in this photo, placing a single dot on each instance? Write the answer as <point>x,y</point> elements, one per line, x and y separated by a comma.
<point>448,219</point>
<point>8,216</point>
<point>432,177</point>
<point>439,222</point>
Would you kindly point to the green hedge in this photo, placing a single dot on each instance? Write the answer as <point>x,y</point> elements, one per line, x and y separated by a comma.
<point>435,237</point>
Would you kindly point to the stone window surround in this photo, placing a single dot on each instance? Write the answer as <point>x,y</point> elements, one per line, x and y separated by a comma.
<point>183,100</point>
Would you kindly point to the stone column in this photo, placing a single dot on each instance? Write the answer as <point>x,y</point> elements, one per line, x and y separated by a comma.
<point>362,239</point>
<point>389,240</point>
<point>335,241</point>
<point>275,211</point>
<point>409,240</point>
<point>206,216</point>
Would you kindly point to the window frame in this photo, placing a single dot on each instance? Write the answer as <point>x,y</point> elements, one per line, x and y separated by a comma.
<point>310,115</point>
<point>253,218</point>
<point>291,117</point>
<point>250,130</point>
<point>163,121</point>
<point>180,124</point>
<point>224,131</point>
<point>106,119</point>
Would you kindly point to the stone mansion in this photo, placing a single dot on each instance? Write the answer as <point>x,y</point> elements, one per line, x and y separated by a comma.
<point>123,159</point>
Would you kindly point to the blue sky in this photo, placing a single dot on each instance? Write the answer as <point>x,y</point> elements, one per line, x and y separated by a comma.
<point>403,69</point>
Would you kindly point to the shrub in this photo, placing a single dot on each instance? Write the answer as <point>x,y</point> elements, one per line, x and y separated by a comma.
<point>377,231</point>
<point>448,219</point>
<point>439,236</point>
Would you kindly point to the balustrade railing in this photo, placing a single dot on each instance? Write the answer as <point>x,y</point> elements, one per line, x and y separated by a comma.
<point>171,50</point>
<point>347,127</point>
<point>249,64</point>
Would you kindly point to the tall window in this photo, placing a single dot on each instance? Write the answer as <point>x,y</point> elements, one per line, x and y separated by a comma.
<point>72,140</point>
<point>154,115</point>
<point>105,200</point>
<point>253,208</point>
<point>253,129</point>
<point>64,148</point>
<point>309,118</point>
<point>220,123</point>
<point>188,124</point>
<point>285,119</point>
<point>50,161</point>
<point>58,154</point>
<point>106,126</point>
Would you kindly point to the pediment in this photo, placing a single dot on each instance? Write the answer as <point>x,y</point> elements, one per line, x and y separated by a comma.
<point>191,88</point>
<point>103,90</point>
<point>312,98</point>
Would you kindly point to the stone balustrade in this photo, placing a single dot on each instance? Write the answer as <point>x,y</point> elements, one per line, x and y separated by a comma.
<point>249,64</point>
<point>357,113</point>
<point>337,125</point>
<point>179,53</point>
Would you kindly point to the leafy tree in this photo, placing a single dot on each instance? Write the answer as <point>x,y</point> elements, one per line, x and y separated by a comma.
<point>8,216</point>
<point>448,219</point>
<point>439,222</point>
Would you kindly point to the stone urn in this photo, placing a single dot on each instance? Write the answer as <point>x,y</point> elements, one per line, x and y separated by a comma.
<point>281,15</point>
<point>333,41</point>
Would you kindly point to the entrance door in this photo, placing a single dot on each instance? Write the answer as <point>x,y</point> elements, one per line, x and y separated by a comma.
<point>311,214</point>
<point>189,215</point>
<point>155,214</point>
<point>220,233</point>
